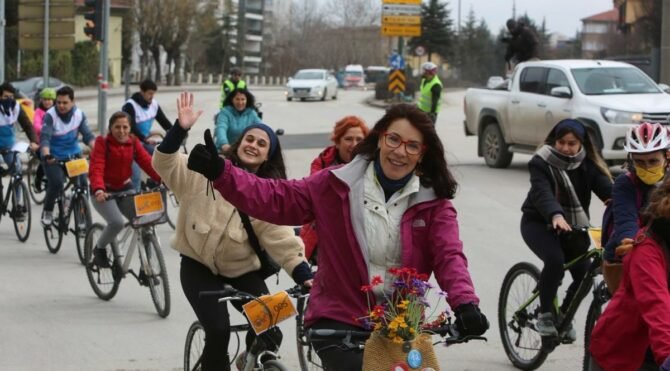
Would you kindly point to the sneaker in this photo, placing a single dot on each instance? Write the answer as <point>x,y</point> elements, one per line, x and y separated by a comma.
<point>545,325</point>
<point>100,258</point>
<point>47,218</point>
<point>241,359</point>
<point>144,279</point>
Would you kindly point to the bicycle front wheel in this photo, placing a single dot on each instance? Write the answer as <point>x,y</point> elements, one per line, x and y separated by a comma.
<point>156,274</point>
<point>306,354</point>
<point>20,212</point>
<point>600,297</point>
<point>37,181</point>
<point>53,234</point>
<point>274,365</point>
<point>104,281</point>
<point>517,317</point>
<point>195,344</point>
<point>82,221</point>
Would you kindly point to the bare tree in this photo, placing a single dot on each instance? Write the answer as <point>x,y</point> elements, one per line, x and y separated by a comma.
<point>148,25</point>
<point>354,13</point>
<point>176,31</point>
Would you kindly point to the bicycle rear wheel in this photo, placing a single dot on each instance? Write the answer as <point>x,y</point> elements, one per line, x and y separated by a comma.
<point>307,356</point>
<point>522,342</point>
<point>600,298</point>
<point>82,221</point>
<point>156,274</point>
<point>53,234</point>
<point>20,212</point>
<point>104,281</point>
<point>37,180</point>
<point>195,344</point>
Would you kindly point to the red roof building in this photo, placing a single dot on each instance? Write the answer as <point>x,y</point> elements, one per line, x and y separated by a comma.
<point>596,30</point>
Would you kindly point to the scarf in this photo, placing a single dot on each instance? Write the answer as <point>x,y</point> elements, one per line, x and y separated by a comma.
<point>389,186</point>
<point>559,164</point>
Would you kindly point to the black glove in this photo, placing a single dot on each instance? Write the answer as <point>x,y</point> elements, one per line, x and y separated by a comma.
<point>470,321</point>
<point>204,158</point>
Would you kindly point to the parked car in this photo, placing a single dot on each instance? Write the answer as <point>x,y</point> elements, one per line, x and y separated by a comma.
<point>376,74</point>
<point>609,97</point>
<point>311,84</point>
<point>32,86</point>
<point>494,81</point>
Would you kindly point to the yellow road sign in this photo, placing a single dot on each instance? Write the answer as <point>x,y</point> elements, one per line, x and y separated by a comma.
<point>396,81</point>
<point>400,20</point>
<point>401,30</point>
<point>415,2</point>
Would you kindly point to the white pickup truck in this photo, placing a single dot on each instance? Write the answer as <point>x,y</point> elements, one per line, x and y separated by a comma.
<point>607,96</point>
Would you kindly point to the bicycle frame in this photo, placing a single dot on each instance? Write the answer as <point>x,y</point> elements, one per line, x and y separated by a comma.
<point>132,238</point>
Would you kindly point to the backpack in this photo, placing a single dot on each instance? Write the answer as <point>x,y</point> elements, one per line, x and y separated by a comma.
<point>608,214</point>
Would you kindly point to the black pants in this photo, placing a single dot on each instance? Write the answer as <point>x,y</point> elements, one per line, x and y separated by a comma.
<point>196,277</point>
<point>547,246</point>
<point>333,358</point>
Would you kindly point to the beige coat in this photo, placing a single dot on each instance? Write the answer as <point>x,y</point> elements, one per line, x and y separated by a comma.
<point>211,231</point>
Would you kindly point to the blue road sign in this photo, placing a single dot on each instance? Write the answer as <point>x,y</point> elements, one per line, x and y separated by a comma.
<point>396,61</point>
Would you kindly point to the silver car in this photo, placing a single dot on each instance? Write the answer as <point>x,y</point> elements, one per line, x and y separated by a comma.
<point>311,84</point>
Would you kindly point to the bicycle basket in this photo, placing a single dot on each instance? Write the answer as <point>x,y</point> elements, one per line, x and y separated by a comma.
<point>145,208</point>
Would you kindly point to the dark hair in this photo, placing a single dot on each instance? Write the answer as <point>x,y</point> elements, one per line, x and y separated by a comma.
<point>65,90</point>
<point>7,86</point>
<point>251,101</point>
<point>236,71</point>
<point>116,116</point>
<point>272,168</point>
<point>432,170</point>
<point>591,151</point>
<point>148,84</point>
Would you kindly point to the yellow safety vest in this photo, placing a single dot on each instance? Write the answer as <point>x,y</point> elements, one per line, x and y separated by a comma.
<point>426,98</point>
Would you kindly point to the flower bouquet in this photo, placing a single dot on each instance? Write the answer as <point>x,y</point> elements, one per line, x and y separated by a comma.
<point>399,339</point>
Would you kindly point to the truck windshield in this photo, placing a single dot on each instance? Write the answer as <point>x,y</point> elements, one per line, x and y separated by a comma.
<point>613,80</point>
<point>308,75</point>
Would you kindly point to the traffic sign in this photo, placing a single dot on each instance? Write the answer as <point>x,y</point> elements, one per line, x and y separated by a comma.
<point>55,43</point>
<point>37,28</point>
<point>397,20</point>
<point>419,51</point>
<point>396,61</point>
<point>36,10</point>
<point>31,24</point>
<point>401,9</point>
<point>397,81</point>
<point>401,30</point>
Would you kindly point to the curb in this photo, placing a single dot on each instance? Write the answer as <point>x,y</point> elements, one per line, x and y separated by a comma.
<point>92,93</point>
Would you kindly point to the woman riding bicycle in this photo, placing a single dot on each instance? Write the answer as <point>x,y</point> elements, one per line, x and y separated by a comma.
<point>238,112</point>
<point>211,238</point>
<point>638,316</point>
<point>563,173</point>
<point>397,181</point>
<point>110,172</point>
<point>47,98</point>
<point>647,147</point>
<point>347,133</point>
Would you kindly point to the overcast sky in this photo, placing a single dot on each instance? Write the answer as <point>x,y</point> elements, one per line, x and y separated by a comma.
<point>563,16</point>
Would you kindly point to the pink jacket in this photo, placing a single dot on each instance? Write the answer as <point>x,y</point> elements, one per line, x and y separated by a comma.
<point>37,121</point>
<point>429,234</point>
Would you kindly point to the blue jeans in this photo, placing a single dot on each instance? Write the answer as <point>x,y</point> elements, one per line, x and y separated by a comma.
<point>137,172</point>
<point>56,178</point>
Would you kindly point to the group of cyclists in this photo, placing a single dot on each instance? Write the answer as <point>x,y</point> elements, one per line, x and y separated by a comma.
<point>377,198</point>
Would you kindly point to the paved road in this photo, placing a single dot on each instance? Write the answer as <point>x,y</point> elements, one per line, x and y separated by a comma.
<point>51,320</point>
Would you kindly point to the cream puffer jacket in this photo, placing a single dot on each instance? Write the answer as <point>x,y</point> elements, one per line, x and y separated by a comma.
<point>211,231</point>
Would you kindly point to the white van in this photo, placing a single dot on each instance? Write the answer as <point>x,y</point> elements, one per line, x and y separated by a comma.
<point>354,76</point>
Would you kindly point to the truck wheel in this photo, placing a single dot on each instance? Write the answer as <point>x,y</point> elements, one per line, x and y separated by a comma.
<point>494,147</point>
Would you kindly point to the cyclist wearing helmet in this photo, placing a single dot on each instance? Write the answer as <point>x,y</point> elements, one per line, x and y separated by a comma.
<point>47,98</point>
<point>647,147</point>
<point>431,91</point>
<point>233,83</point>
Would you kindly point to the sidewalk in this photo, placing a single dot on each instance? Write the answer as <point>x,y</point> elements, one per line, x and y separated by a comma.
<point>91,92</point>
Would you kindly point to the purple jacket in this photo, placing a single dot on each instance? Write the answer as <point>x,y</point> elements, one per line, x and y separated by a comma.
<point>429,234</point>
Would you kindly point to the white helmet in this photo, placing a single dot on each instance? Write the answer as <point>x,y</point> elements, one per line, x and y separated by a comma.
<point>646,137</point>
<point>428,66</point>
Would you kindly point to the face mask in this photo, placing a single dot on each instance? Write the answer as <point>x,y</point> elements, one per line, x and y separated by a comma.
<point>650,176</point>
<point>6,105</point>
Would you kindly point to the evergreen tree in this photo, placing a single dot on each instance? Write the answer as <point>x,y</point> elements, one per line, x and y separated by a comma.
<point>475,60</point>
<point>437,35</point>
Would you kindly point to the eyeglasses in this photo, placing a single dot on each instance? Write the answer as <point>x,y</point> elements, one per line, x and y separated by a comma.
<point>394,141</point>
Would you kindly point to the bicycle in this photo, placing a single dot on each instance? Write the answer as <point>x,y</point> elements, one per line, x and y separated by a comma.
<point>172,202</point>
<point>519,307</point>
<point>264,346</point>
<point>67,205</point>
<point>37,180</point>
<point>15,203</point>
<point>138,234</point>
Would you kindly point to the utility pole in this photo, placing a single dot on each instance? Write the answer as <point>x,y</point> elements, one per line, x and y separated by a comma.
<point>665,43</point>
<point>103,77</point>
<point>2,40</point>
<point>459,17</point>
<point>45,52</point>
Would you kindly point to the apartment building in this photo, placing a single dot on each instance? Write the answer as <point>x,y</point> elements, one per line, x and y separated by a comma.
<point>596,30</point>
